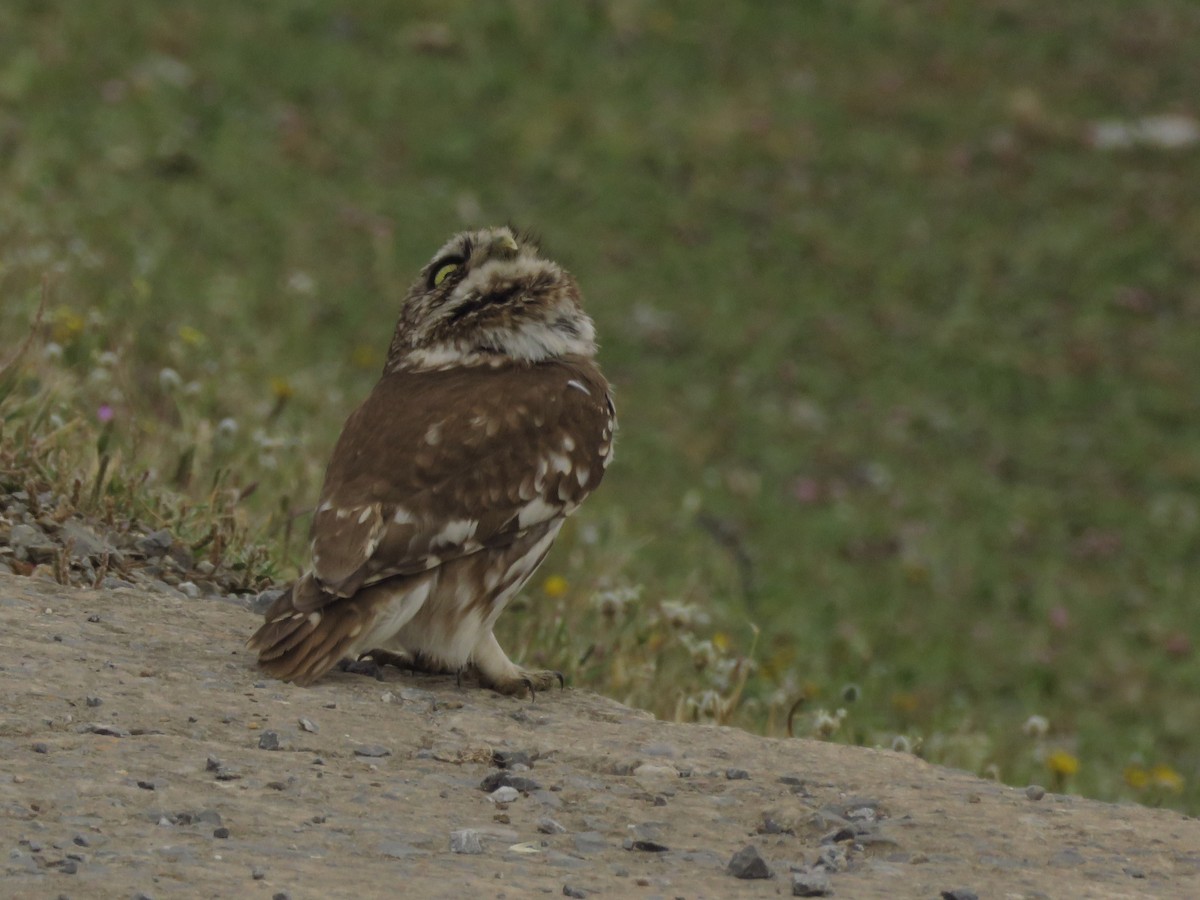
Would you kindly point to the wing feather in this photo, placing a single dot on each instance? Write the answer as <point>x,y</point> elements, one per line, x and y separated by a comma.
<point>437,465</point>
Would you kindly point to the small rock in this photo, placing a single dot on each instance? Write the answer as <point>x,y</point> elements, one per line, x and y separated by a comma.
<point>372,751</point>
<point>93,701</point>
<point>811,883</point>
<point>465,840</point>
<point>1035,792</point>
<point>222,833</point>
<point>960,894</point>
<point>41,747</point>
<point>832,857</point>
<point>569,891</point>
<point>263,601</point>
<point>508,779</point>
<point>154,544</point>
<point>647,846</point>
<point>189,589</point>
<point>87,544</point>
<point>770,826</point>
<point>80,841</point>
<point>101,728</point>
<point>737,774</point>
<point>32,543</point>
<point>257,873</point>
<point>506,759</point>
<point>309,726</point>
<point>748,863</point>
<point>547,825</point>
<point>268,740</point>
<point>504,794</point>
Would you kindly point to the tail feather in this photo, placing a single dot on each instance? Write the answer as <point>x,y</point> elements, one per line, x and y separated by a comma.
<point>295,644</point>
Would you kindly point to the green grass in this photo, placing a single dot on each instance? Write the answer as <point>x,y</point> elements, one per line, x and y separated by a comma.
<point>907,370</point>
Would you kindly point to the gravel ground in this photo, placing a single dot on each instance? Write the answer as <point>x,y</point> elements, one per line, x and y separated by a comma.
<point>144,756</point>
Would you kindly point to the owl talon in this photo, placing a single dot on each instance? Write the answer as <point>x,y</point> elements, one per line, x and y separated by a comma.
<point>364,665</point>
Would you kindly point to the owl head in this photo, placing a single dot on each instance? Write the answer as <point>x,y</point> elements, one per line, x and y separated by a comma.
<point>489,296</point>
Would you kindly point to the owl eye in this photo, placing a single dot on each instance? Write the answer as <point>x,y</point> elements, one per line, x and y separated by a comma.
<point>444,269</point>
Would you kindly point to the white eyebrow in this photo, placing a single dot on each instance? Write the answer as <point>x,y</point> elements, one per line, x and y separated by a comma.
<point>575,384</point>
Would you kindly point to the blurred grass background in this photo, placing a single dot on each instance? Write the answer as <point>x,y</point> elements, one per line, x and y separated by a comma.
<point>906,354</point>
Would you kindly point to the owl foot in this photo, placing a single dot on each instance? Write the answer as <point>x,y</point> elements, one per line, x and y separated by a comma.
<point>525,682</point>
<point>383,658</point>
<point>364,665</point>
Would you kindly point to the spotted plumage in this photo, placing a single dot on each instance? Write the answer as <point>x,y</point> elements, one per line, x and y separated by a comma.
<point>491,424</point>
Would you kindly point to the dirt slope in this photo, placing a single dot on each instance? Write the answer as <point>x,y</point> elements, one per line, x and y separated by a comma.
<point>163,784</point>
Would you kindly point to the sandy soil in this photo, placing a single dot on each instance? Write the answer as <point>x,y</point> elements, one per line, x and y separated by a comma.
<point>145,757</point>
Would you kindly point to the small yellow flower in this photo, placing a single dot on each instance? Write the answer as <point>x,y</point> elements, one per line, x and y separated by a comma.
<point>555,586</point>
<point>282,388</point>
<point>193,337</point>
<point>1136,777</point>
<point>1062,764</point>
<point>1163,776</point>
<point>721,641</point>
<point>67,325</point>
<point>905,702</point>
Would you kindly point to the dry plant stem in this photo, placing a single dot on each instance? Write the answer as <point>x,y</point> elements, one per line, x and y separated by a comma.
<point>33,330</point>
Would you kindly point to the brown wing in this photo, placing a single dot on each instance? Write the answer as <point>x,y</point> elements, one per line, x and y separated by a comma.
<point>436,465</point>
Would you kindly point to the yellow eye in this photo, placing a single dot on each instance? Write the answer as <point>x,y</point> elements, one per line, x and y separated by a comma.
<point>443,272</point>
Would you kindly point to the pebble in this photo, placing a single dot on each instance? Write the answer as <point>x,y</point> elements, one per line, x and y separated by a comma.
<point>93,701</point>
<point>508,779</point>
<point>504,795</point>
<point>154,544</point>
<point>506,759</point>
<point>748,863</point>
<point>547,825</point>
<point>372,751</point>
<point>189,589</point>
<point>647,846</point>
<point>268,740</point>
<point>41,747</point>
<point>737,774</point>
<point>1035,792</point>
<point>960,894</point>
<point>811,883</point>
<point>465,840</point>
<point>257,873</point>
<point>569,891</point>
<point>222,833</point>
<point>309,726</point>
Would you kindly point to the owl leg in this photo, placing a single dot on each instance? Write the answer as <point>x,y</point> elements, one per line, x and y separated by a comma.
<point>502,675</point>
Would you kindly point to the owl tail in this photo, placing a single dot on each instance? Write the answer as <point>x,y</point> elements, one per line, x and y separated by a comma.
<point>306,633</point>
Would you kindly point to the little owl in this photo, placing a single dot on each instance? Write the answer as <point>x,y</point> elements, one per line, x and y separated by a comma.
<point>490,425</point>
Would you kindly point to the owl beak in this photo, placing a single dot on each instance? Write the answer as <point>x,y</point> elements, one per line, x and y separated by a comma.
<point>504,246</point>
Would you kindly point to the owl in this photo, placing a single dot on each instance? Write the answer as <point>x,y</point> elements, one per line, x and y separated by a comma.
<point>490,425</point>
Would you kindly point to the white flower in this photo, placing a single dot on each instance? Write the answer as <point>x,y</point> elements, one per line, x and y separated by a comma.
<point>169,379</point>
<point>1036,726</point>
